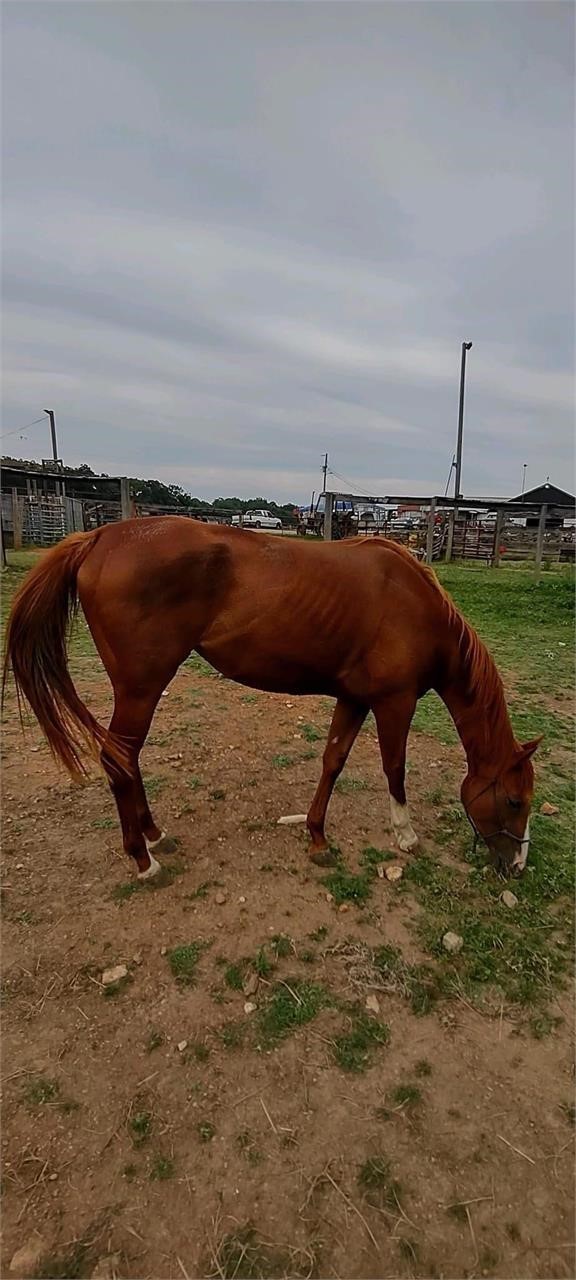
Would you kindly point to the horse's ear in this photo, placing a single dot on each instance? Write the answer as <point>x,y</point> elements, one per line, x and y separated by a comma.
<point>527,749</point>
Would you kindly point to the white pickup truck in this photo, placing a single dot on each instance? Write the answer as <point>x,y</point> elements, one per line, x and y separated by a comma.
<point>258,520</point>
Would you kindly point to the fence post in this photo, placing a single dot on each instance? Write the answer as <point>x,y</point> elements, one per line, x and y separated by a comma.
<point>328,511</point>
<point>2,547</point>
<point>497,538</point>
<point>16,521</point>
<point>450,536</point>
<point>430,534</point>
<point>125,502</point>
<point>540,541</point>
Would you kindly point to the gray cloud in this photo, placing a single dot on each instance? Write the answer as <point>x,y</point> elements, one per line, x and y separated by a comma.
<point>238,235</point>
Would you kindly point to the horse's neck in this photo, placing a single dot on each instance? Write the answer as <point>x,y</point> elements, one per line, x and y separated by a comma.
<point>473,693</point>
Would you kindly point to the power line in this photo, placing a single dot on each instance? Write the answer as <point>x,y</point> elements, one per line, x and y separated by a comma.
<point>355,488</point>
<point>18,430</point>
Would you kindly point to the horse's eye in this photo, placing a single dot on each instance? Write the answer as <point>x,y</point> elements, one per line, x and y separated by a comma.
<point>514,804</point>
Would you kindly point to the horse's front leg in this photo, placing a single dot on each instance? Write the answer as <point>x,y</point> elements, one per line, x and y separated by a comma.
<point>346,723</point>
<point>393,718</point>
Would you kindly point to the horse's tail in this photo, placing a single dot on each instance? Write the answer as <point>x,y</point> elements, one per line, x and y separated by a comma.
<point>35,650</point>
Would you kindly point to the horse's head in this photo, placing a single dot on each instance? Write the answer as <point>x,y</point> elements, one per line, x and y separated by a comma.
<point>499,809</point>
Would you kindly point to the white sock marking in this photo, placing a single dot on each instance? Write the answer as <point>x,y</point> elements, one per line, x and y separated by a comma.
<point>402,826</point>
<point>151,844</point>
<point>152,870</point>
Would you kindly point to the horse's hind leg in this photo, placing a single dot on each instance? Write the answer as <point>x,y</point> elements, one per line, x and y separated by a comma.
<point>130,722</point>
<point>393,717</point>
<point>347,721</point>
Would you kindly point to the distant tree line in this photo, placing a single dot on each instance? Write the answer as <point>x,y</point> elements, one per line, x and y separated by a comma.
<point>158,494</point>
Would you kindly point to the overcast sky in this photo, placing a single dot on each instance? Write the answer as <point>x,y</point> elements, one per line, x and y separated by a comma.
<point>236,235</point>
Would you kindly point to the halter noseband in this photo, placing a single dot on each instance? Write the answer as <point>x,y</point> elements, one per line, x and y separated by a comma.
<point>502,831</point>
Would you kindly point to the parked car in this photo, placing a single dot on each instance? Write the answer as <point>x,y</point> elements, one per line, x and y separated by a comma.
<point>258,520</point>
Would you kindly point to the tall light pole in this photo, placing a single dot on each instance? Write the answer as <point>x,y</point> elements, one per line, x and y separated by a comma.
<point>524,476</point>
<point>50,413</point>
<point>458,472</point>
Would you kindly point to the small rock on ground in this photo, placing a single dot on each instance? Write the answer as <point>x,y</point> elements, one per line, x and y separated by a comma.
<point>183,1044</point>
<point>508,898</point>
<point>249,1007</point>
<point>373,1004</point>
<point>291,819</point>
<point>26,1259</point>
<point>250,986</point>
<point>549,809</point>
<point>114,975</point>
<point>452,942</point>
<point>220,899</point>
<point>394,871</point>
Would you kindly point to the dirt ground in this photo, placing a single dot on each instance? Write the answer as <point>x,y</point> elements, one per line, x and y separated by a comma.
<point>128,1152</point>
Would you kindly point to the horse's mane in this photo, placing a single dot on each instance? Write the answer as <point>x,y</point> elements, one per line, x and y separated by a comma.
<point>481,676</point>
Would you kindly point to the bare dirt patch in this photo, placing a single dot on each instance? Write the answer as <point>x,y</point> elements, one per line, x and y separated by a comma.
<point>224,1109</point>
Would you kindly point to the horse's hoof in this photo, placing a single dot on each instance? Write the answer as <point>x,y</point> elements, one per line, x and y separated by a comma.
<point>166,845</point>
<point>408,843</point>
<point>150,871</point>
<point>323,858</point>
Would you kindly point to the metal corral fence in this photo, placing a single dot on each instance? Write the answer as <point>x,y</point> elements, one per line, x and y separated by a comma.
<point>488,530</point>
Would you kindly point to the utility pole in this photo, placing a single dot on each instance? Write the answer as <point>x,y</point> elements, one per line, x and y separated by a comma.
<point>458,475</point>
<point>325,471</point>
<point>50,413</point>
<point>524,476</point>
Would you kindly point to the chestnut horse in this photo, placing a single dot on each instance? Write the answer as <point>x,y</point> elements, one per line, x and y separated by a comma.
<point>361,621</point>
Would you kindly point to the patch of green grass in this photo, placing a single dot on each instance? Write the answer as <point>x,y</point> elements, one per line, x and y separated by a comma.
<point>262,965</point>
<point>307,956</point>
<point>206,1130</point>
<point>161,1169</point>
<point>376,1182</point>
<point>232,1034</point>
<point>281,945</point>
<point>352,1050</point>
<point>130,1172</point>
<point>140,1125</point>
<point>153,786</point>
<point>200,1051</point>
<point>311,733</point>
<point>422,1068</point>
<point>348,786</point>
<point>104,824</point>
<point>155,1041</point>
<point>290,1005</point>
<point>39,1090</point>
<point>199,666</point>
<point>183,961</point>
<point>319,934</point>
<point>346,886</point>
<point>247,1145</point>
<point>435,796</point>
<point>406,1095</point>
<point>249,697</point>
<point>235,975</point>
<point>283,761</point>
<point>202,890</point>
<point>194,782</point>
<point>371,858</point>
